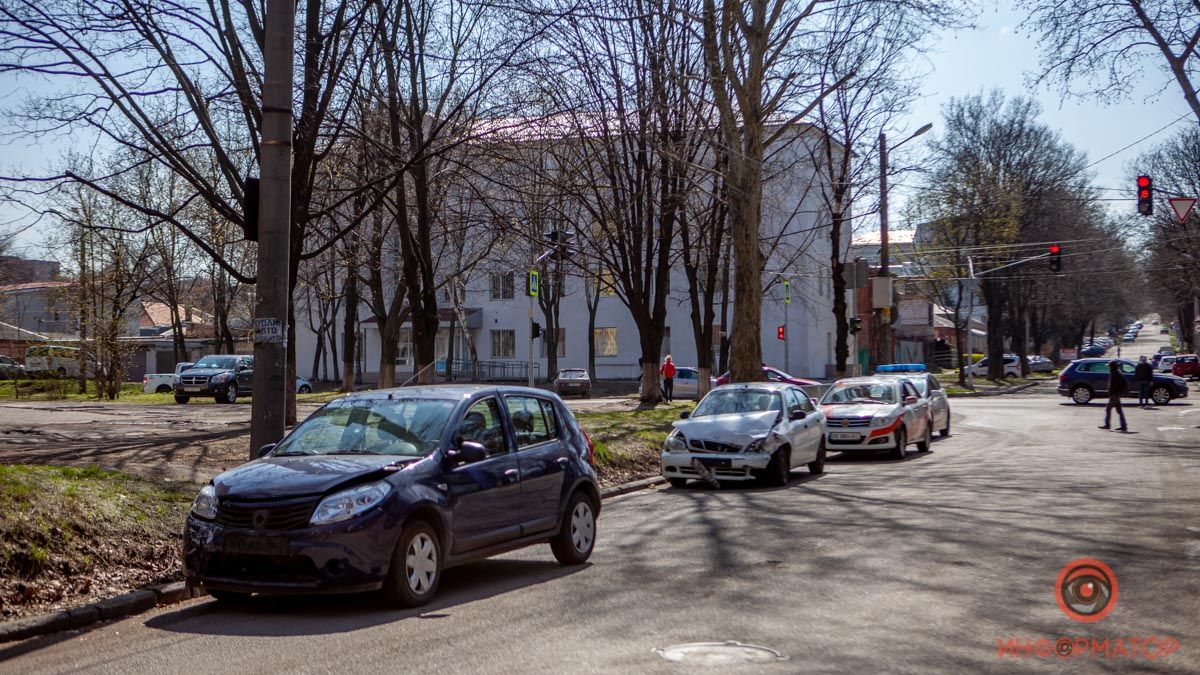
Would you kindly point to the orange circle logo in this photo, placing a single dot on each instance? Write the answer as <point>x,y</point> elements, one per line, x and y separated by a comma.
<point>1086,590</point>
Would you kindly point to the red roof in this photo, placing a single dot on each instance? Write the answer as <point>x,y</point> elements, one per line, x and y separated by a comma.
<point>34,285</point>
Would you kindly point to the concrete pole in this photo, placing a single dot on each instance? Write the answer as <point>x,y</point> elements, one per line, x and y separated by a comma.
<point>274,231</point>
<point>884,335</point>
<point>970,319</point>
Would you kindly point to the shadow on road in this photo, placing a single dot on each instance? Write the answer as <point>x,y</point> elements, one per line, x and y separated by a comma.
<point>281,616</point>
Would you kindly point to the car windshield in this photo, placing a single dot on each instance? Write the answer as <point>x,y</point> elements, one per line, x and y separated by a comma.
<point>853,393</point>
<point>735,401</point>
<point>404,427</point>
<point>573,375</point>
<point>217,362</point>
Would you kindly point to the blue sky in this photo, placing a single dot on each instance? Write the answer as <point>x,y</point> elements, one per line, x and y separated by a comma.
<point>995,54</point>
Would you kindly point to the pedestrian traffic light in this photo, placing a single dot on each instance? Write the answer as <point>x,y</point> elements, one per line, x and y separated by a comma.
<point>250,193</point>
<point>779,333</point>
<point>1145,193</point>
<point>855,325</point>
<point>1055,258</point>
<point>537,330</point>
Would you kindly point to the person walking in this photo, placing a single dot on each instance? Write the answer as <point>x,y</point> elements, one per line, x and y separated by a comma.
<point>668,375</point>
<point>1144,377</point>
<point>1117,387</point>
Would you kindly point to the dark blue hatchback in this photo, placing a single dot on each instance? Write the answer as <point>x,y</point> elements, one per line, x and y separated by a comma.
<point>384,490</point>
<point>1086,379</point>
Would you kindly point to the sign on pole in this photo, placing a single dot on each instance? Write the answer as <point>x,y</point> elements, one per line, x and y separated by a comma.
<point>1066,354</point>
<point>533,283</point>
<point>787,292</point>
<point>269,331</point>
<point>1182,206</point>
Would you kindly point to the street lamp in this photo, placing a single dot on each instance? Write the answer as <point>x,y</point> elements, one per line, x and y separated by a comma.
<point>883,339</point>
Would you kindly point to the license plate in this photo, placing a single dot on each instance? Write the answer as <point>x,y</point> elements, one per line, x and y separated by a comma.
<point>251,545</point>
<point>845,436</point>
<point>193,388</point>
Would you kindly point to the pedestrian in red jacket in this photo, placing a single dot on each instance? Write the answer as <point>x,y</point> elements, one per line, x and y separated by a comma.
<point>668,375</point>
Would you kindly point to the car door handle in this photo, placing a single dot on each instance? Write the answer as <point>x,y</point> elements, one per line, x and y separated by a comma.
<point>512,475</point>
<point>562,461</point>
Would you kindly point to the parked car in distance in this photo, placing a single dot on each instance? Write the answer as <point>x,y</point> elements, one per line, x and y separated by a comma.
<point>1165,330</point>
<point>573,381</point>
<point>775,375</point>
<point>1012,366</point>
<point>10,369</point>
<point>384,490</point>
<point>1165,363</point>
<point>182,366</point>
<point>687,382</point>
<point>158,383</point>
<point>1186,366</point>
<point>1040,364</point>
<point>1091,351</point>
<point>52,360</point>
<point>1085,379</point>
<point>927,387</point>
<point>876,413</point>
<point>222,376</point>
<point>741,432</point>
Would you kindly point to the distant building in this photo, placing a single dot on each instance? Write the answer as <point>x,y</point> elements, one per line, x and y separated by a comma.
<point>14,270</point>
<point>38,306</point>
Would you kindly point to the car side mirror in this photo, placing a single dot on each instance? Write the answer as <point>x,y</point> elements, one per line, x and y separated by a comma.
<point>243,368</point>
<point>262,452</point>
<point>910,400</point>
<point>815,402</point>
<point>467,452</point>
<point>684,415</point>
<point>797,415</point>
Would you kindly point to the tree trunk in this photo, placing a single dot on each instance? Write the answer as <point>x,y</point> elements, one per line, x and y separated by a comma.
<point>745,208</point>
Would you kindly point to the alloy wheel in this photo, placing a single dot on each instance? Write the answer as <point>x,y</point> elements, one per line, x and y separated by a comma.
<point>1160,396</point>
<point>583,526</point>
<point>420,563</point>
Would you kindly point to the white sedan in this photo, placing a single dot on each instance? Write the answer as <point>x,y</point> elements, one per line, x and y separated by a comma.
<point>687,382</point>
<point>876,413</point>
<point>740,432</point>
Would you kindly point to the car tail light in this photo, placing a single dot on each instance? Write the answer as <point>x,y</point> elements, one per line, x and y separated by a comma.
<point>591,452</point>
<point>145,378</point>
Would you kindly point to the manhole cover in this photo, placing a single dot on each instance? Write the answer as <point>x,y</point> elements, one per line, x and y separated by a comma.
<point>719,653</point>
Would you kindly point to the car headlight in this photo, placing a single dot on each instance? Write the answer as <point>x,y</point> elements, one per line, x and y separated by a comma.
<point>676,442</point>
<point>757,445</point>
<point>346,504</point>
<point>221,377</point>
<point>882,420</point>
<point>205,505</point>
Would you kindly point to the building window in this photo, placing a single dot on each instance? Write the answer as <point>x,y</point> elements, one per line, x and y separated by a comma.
<point>606,341</point>
<point>608,284</point>
<point>404,350</point>
<point>503,286</point>
<point>504,344</point>
<point>562,344</point>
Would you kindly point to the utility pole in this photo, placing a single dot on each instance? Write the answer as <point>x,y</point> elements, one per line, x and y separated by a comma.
<point>970,320</point>
<point>274,231</point>
<point>883,336</point>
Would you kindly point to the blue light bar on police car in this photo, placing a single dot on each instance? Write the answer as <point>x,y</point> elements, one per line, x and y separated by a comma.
<point>902,368</point>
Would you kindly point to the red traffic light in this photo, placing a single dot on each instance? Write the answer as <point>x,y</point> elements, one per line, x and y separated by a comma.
<point>1143,181</point>
<point>1054,248</point>
<point>779,333</point>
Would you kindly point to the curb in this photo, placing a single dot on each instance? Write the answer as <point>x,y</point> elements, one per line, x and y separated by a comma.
<point>999,392</point>
<point>160,595</point>
<point>117,607</point>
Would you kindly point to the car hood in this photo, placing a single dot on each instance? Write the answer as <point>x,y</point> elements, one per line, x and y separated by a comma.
<point>856,410</point>
<point>204,372</point>
<point>274,477</point>
<point>735,429</point>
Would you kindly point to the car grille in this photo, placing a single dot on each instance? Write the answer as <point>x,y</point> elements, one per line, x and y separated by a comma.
<point>835,423</point>
<point>193,380</point>
<point>277,516</point>
<point>713,446</point>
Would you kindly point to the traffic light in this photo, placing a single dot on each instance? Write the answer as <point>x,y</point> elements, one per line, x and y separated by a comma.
<point>1145,193</point>
<point>855,325</point>
<point>1055,258</point>
<point>537,330</point>
<point>779,333</point>
<point>250,212</point>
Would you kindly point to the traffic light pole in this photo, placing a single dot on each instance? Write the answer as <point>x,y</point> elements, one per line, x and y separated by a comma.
<point>274,233</point>
<point>971,305</point>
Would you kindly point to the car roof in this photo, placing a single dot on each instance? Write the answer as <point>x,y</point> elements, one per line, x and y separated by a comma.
<point>773,386</point>
<point>876,379</point>
<point>446,391</point>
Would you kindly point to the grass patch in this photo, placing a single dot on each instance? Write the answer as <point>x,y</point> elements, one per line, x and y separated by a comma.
<point>628,443</point>
<point>53,389</point>
<point>80,531</point>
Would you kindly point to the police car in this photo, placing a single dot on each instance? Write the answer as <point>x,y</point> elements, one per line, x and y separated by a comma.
<point>929,388</point>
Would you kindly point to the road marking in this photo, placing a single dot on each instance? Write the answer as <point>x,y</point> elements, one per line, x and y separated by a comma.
<point>1172,428</point>
<point>1184,412</point>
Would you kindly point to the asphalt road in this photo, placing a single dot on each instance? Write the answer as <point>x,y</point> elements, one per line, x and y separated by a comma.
<point>913,566</point>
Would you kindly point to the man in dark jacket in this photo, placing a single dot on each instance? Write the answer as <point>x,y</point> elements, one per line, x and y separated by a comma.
<point>1117,387</point>
<point>1144,377</point>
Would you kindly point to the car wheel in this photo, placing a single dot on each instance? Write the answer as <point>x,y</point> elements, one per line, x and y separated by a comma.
<point>162,389</point>
<point>779,469</point>
<point>575,539</point>
<point>305,389</point>
<point>945,432</point>
<point>413,576</point>
<point>901,449</point>
<point>182,399</point>
<point>923,444</point>
<point>1160,395</point>
<point>228,597</point>
<point>1081,394</point>
<point>817,466</point>
<point>677,482</point>
<point>230,395</point>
